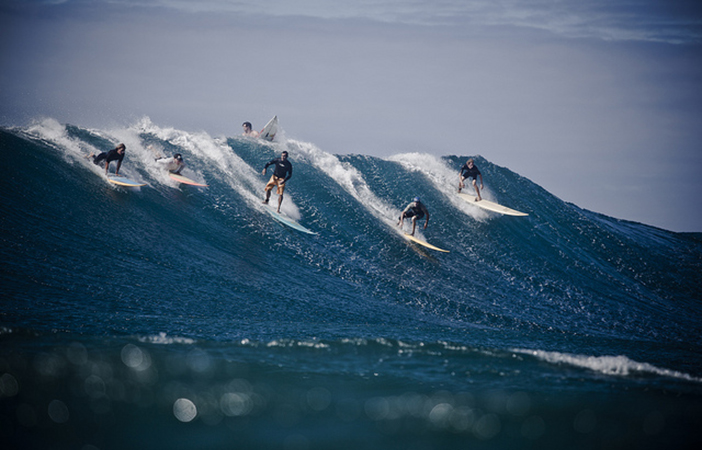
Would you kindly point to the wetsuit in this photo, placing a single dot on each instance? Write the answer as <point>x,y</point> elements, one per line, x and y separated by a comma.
<point>472,172</point>
<point>108,157</point>
<point>283,168</point>
<point>415,209</point>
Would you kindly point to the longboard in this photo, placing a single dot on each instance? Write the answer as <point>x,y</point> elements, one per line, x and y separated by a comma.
<point>268,132</point>
<point>288,221</point>
<point>122,181</point>
<point>491,206</point>
<point>184,180</point>
<point>409,237</point>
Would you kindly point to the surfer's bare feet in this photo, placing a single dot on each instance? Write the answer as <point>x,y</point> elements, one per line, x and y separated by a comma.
<point>265,201</point>
<point>459,190</point>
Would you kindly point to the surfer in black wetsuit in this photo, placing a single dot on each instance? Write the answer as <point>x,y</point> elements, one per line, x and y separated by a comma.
<point>470,170</point>
<point>281,174</point>
<point>415,210</point>
<point>116,154</point>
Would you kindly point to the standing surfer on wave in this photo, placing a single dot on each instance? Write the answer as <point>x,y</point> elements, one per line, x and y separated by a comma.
<point>116,154</point>
<point>470,170</point>
<point>415,210</point>
<point>281,174</point>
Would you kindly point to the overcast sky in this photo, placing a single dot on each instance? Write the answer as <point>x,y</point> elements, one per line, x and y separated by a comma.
<point>599,102</point>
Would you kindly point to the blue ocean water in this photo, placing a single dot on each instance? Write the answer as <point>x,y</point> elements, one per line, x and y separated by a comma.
<point>173,316</point>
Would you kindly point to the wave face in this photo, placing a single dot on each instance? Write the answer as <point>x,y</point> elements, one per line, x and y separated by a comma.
<point>191,310</point>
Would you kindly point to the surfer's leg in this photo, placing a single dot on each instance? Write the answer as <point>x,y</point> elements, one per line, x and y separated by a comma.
<point>414,225</point>
<point>280,201</point>
<point>477,191</point>
<point>99,158</point>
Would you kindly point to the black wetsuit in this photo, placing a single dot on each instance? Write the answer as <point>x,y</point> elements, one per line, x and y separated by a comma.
<point>471,172</point>
<point>283,168</point>
<point>415,209</point>
<point>112,155</point>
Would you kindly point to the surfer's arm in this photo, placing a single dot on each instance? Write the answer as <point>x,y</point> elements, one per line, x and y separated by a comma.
<point>263,172</point>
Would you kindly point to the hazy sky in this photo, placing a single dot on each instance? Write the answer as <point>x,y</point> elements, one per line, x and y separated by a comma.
<point>599,102</point>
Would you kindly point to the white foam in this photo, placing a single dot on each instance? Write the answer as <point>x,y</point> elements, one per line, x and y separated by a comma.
<point>444,179</point>
<point>609,365</point>
<point>163,338</point>
<point>348,177</point>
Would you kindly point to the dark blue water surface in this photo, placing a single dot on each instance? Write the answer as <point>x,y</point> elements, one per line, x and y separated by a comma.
<point>178,317</point>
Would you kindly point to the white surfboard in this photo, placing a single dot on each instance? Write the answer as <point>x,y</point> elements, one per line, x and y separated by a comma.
<point>184,180</point>
<point>491,206</point>
<point>269,131</point>
<point>411,238</point>
<point>122,181</point>
<point>285,220</point>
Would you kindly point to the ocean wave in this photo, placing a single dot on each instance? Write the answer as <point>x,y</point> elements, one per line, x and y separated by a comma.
<point>609,365</point>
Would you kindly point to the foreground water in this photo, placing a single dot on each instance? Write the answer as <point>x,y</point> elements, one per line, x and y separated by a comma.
<point>179,317</point>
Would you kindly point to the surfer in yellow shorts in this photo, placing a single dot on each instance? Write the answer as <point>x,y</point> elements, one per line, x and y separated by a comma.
<point>281,174</point>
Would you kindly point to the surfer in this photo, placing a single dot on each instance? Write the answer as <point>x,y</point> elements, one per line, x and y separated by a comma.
<point>415,210</point>
<point>248,131</point>
<point>470,170</point>
<point>173,165</point>
<point>116,154</point>
<point>281,174</point>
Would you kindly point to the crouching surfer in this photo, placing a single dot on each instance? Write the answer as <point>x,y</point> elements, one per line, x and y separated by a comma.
<point>116,154</point>
<point>415,210</point>
<point>173,165</point>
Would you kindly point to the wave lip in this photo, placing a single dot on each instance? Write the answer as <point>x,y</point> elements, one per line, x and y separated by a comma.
<point>609,365</point>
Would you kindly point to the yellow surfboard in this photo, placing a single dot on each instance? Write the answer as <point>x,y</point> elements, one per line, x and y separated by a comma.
<point>122,181</point>
<point>185,180</point>
<point>411,238</point>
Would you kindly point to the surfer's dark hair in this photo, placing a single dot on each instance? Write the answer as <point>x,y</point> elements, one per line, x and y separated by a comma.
<point>247,124</point>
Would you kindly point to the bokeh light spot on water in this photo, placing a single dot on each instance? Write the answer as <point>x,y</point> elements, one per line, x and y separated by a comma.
<point>58,411</point>
<point>8,385</point>
<point>318,398</point>
<point>184,410</point>
<point>135,358</point>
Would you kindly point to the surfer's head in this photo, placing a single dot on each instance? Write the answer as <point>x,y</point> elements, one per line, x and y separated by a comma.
<point>416,199</point>
<point>284,155</point>
<point>470,162</point>
<point>121,147</point>
<point>178,157</point>
<point>246,125</point>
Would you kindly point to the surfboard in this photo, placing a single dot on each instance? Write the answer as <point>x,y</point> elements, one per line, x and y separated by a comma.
<point>122,181</point>
<point>491,206</point>
<point>268,132</point>
<point>184,180</point>
<point>285,220</point>
<point>411,238</point>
